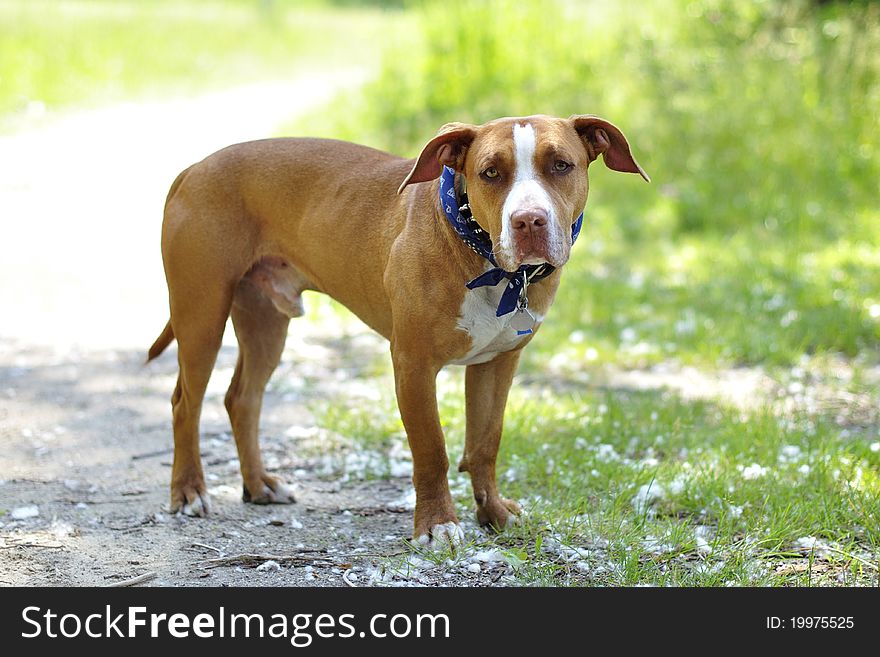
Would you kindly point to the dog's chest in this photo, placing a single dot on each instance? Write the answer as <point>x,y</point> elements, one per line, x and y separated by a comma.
<point>490,335</point>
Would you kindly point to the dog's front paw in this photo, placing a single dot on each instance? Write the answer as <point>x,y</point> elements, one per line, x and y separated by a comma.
<point>447,535</point>
<point>497,513</point>
<point>271,490</point>
<point>191,501</point>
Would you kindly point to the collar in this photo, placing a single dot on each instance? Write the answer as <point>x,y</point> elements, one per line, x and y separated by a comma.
<point>459,215</point>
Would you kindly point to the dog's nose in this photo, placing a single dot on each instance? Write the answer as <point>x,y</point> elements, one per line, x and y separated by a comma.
<point>522,221</point>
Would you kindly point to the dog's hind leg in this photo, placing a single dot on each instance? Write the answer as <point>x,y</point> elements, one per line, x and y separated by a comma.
<point>199,331</point>
<point>202,270</point>
<point>265,300</point>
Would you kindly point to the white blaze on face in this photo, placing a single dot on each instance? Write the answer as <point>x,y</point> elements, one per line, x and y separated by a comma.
<point>526,192</point>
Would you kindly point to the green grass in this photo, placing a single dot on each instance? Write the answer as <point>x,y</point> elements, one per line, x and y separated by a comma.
<point>62,53</point>
<point>737,495</point>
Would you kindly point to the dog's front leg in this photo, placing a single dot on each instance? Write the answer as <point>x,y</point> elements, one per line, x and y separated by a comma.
<point>486,387</point>
<point>416,384</point>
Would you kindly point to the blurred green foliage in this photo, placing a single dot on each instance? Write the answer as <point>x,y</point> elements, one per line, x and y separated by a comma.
<point>769,110</point>
<point>58,53</point>
<point>758,121</point>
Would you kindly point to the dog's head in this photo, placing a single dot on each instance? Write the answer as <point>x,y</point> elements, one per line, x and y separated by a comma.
<point>526,178</point>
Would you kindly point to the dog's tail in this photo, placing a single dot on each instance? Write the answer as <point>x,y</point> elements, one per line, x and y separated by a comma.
<point>162,342</point>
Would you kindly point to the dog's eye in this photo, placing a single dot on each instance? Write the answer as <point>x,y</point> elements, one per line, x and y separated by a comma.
<point>561,166</point>
<point>490,173</point>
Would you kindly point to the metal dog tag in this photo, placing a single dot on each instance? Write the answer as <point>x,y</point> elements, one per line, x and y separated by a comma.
<point>523,321</point>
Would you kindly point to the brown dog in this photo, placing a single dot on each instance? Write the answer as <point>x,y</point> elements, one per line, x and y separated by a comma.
<point>251,227</point>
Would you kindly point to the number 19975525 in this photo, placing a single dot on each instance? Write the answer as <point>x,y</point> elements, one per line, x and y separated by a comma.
<point>810,623</point>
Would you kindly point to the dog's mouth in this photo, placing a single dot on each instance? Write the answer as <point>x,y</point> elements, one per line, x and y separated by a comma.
<point>534,252</point>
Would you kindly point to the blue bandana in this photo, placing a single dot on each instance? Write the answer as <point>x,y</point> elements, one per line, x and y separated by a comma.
<point>466,227</point>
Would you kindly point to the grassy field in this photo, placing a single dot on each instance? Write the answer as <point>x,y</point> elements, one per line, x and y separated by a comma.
<point>624,487</point>
<point>755,251</point>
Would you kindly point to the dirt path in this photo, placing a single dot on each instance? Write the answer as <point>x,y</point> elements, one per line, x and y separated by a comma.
<point>86,448</point>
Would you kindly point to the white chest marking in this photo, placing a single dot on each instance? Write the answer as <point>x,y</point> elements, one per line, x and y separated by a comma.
<point>490,335</point>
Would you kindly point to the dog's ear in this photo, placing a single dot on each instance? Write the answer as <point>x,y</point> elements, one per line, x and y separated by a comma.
<point>448,148</point>
<point>601,136</point>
